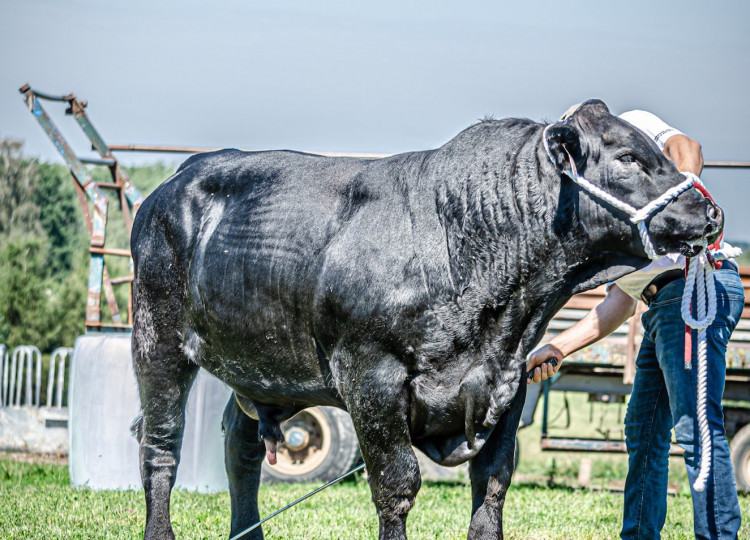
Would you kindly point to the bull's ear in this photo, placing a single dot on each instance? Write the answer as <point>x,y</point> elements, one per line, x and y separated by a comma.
<point>563,141</point>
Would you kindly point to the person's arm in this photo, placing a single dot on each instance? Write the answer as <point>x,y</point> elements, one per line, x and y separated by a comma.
<point>685,153</point>
<point>601,321</point>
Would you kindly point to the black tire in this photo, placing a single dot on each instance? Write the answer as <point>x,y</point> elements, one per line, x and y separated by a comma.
<point>325,446</point>
<point>740,452</point>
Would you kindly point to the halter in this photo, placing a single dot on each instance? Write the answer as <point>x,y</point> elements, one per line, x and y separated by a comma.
<point>638,216</point>
<point>698,273</point>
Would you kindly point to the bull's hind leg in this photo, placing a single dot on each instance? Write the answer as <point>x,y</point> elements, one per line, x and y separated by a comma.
<point>491,471</point>
<point>243,456</point>
<point>164,377</point>
<point>378,403</point>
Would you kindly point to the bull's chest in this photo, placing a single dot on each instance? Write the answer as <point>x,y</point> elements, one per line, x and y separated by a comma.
<point>451,418</point>
<point>463,392</point>
<point>459,395</point>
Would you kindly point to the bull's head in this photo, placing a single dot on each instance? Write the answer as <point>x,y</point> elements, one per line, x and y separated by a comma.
<point>623,162</point>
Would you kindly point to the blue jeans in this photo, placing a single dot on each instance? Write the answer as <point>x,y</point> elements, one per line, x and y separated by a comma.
<point>664,397</point>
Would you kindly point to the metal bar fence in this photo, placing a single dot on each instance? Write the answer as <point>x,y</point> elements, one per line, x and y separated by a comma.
<point>21,375</point>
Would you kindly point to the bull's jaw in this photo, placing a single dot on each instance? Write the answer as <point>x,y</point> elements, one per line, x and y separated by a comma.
<point>615,265</point>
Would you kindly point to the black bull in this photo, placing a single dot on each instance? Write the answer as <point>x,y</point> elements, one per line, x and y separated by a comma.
<point>407,290</point>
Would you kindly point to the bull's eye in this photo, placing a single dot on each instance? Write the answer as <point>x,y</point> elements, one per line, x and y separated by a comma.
<point>626,158</point>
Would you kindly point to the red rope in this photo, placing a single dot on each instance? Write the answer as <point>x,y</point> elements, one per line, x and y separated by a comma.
<point>688,354</point>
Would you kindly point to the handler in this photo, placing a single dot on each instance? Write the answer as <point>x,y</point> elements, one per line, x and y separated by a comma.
<point>664,392</point>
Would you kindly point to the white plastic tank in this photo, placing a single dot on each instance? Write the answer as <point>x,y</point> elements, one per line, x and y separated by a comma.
<point>103,402</point>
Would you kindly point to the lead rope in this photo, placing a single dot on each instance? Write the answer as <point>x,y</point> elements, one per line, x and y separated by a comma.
<point>288,506</point>
<point>699,271</point>
<point>700,274</point>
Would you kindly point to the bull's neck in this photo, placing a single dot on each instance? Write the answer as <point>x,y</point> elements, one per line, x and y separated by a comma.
<point>513,233</point>
<point>502,215</point>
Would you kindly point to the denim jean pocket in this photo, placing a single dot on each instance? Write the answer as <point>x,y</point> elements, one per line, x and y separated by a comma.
<point>667,302</point>
<point>721,333</point>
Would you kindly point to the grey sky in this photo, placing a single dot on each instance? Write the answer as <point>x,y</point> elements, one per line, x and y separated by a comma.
<point>383,77</point>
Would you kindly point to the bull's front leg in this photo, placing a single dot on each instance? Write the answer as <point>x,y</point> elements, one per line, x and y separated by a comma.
<point>491,471</point>
<point>378,403</point>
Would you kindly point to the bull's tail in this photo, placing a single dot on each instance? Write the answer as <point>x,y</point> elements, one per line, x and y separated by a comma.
<point>136,428</point>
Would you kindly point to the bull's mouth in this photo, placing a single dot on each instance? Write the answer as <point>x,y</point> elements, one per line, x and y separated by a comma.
<point>690,249</point>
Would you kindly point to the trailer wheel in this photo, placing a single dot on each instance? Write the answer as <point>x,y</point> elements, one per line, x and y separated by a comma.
<point>320,445</point>
<point>740,453</point>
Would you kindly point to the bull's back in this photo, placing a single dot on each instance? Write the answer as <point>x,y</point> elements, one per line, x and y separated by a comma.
<point>246,226</point>
<point>229,249</point>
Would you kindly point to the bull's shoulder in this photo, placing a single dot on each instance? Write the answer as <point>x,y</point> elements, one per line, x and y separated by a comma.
<point>491,134</point>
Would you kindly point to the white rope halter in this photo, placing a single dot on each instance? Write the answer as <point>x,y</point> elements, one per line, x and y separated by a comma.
<point>638,216</point>
<point>700,274</point>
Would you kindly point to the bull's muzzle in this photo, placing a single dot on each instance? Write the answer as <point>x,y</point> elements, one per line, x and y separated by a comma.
<point>715,224</point>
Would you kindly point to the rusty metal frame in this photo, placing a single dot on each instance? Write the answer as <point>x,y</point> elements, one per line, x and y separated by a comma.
<point>94,205</point>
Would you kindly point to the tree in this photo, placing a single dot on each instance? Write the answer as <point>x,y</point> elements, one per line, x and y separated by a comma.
<point>24,295</point>
<point>41,231</point>
<point>60,216</point>
<point>19,178</point>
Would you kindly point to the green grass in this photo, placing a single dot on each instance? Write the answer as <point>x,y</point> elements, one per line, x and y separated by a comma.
<point>588,420</point>
<point>38,502</point>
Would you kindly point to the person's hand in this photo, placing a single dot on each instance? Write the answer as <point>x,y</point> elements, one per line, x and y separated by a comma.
<point>536,360</point>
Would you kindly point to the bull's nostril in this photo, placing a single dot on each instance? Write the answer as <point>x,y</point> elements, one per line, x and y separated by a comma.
<point>715,224</point>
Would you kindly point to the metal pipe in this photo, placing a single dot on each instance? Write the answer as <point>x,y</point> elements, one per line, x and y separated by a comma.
<point>61,378</point>
<point>201,150</point>
<point>545,407</point>
<point>97,161</point>
<point>51,378</point>
<point>29,373</point>
<point>110,251</point>
<point>727,164</point>
<point>25,88</point>
<point>160,148</point>
<point>19,374</point>
<point>38,381</point>
<point>10,395</point>
<point>568,444</point>
<point>4,384</point>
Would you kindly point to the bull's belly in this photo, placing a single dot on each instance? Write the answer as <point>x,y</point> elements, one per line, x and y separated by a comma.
<point>265,366</point>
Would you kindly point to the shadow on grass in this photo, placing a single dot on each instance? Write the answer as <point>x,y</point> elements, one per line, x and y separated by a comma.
<point>540,484</point>
<point>445,483</point>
